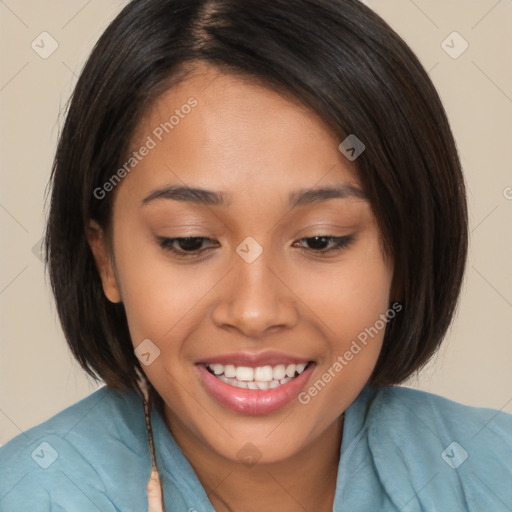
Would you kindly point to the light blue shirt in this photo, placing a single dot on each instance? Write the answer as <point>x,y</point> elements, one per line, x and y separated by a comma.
<point>402,450</point>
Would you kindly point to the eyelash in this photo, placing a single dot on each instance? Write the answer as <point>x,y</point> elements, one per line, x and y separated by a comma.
<point>340,243</point>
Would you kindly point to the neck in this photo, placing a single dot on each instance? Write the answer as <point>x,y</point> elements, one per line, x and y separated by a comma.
<point>305,481</point>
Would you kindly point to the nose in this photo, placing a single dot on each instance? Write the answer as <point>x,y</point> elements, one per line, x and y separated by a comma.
<point>256,299</point>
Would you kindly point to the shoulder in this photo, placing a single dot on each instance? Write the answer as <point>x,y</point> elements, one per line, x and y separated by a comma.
<point>447,448</point>
<point>74,458</point>
<point>412,406</point>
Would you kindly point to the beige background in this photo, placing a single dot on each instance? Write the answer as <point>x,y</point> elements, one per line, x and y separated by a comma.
<point>38,376</point>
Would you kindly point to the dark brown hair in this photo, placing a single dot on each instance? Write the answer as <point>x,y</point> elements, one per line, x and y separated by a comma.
<point>338,58</point>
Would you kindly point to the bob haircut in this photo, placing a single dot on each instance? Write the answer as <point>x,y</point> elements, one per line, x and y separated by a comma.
<point>336,57</point>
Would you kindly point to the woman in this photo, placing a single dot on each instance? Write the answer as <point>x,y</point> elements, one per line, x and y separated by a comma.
<point>258,226</point>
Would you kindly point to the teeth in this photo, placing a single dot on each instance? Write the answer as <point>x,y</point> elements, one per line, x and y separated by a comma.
<point>217,368</point>
<point>300,367</point>
<point>244,373</point>
<point>279,372</point>
<point>290,370</point>
<point>229,371</point>
<point>262,377</point>
<point>262,385</point>
<point>263,373</point>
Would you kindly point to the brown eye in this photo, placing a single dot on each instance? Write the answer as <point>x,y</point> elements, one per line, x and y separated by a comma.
<point>185,246</point>
<point>318,242</point>
<point>190,243</point>
<point>327,244</point>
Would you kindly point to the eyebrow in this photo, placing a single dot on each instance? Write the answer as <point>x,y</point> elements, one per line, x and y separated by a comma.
<point>301,197</point>
<point>318,195</point>
<point>187,194</point>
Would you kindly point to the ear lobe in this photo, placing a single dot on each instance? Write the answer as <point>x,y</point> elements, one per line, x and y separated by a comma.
<point>98,245</point>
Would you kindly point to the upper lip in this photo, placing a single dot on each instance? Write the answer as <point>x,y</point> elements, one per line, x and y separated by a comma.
<point>253,360</point>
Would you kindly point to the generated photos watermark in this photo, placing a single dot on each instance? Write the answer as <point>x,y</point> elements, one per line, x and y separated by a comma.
<point>354,349</point>
<point>150,143</point>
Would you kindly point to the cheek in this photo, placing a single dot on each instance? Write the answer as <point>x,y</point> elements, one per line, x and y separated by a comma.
<point>156,294</point>
<point>348,296</point>
<point>351,301</point>
<point>160,301</point>
<point>354,337</point>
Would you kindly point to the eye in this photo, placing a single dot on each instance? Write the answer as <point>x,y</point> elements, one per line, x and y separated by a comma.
<point>184,247</point>
<point>323,244</point>
<point>191,246</point>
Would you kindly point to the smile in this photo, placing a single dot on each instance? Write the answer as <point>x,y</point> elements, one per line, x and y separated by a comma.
<point>255,384</point>
<point>259,378</point>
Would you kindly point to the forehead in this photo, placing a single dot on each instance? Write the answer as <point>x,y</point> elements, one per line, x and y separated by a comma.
<point>224,131</point>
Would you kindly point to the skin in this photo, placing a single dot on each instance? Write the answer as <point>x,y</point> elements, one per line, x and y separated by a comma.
<point>255,146</point>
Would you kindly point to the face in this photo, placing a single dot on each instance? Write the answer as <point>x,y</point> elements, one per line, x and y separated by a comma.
<point>268,280</point>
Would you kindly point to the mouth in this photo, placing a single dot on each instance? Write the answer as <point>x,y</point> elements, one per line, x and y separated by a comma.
<point>253,385</point>
<point>257,378</point>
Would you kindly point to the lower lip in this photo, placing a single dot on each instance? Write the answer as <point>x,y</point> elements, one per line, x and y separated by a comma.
<point>254,401</point>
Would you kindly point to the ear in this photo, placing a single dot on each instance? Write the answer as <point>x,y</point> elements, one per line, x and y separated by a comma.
<point>97,242</point>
